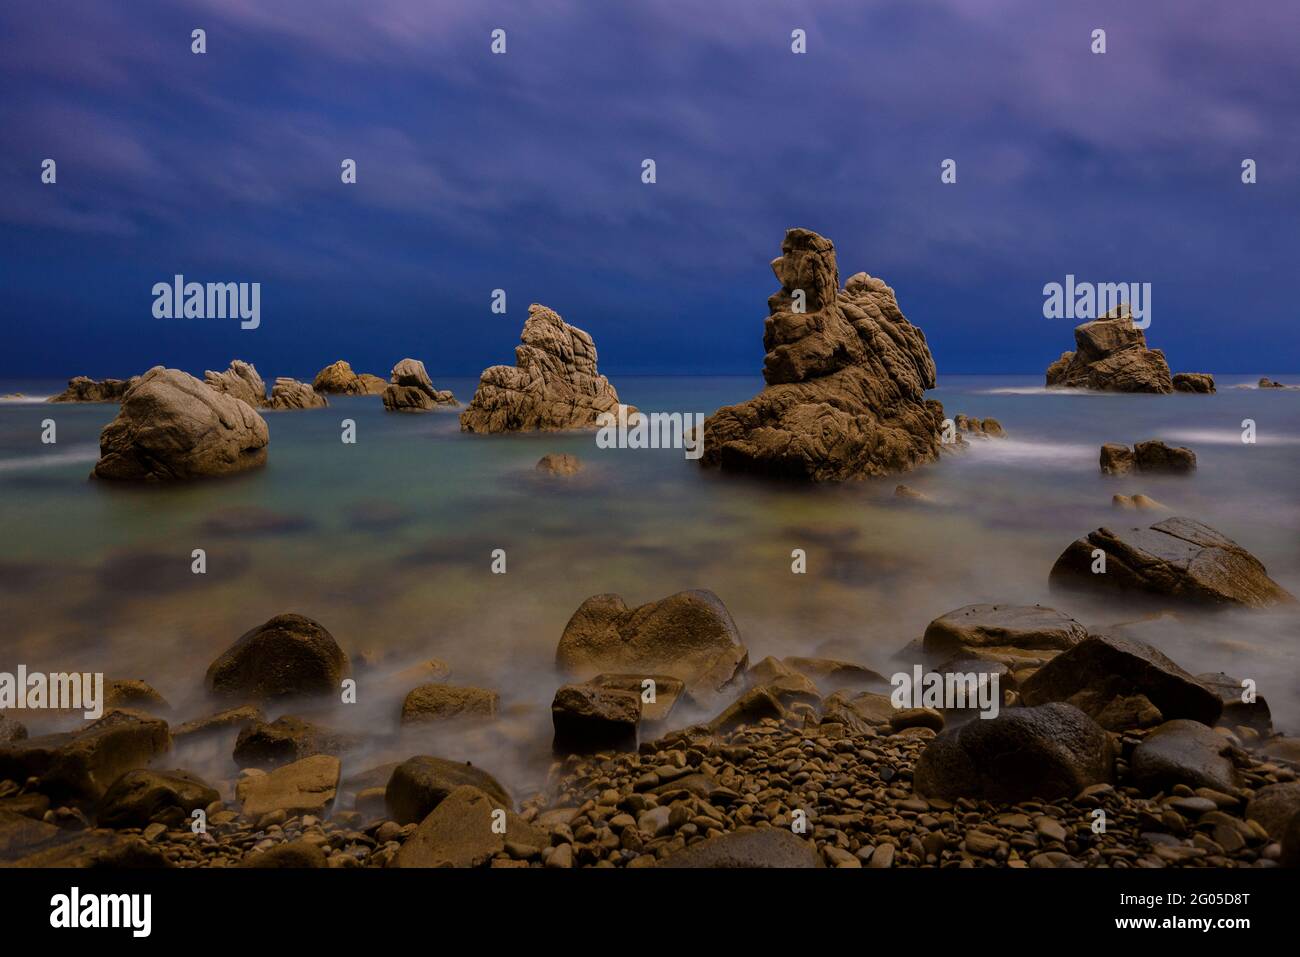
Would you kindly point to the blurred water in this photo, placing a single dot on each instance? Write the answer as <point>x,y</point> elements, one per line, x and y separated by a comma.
<point>388,542</point>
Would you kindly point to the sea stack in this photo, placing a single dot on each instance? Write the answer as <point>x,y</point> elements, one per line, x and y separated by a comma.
<point>1111,355</point>
<point>846,377</point>
<point>552,386</point>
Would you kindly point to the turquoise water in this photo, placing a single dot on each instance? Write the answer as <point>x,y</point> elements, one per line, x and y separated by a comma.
<point>389,542</point>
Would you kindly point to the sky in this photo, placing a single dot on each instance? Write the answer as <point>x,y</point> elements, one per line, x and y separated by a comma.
<point>523,171</point>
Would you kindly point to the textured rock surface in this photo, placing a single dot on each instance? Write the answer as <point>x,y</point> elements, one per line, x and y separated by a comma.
<point>1046,752</point>
<point>141,796</point>
<point>339,378</point>
<point>438,702</point>
<point>1117,459</point>
<point>689,635</point>
<point>240,381</point>
<point>553,384</point>
<point>1193,382</point>
<point>286,656</point>
<point>1111,355</point>
<point>292,394</point>
<point>1178,558</point>
<point>460,833</point>
<point>846,380</point>
<point>1182,752</point>
<point>83,389</point>
<point>308,786</point>
<point>420,784</point>
<point>1236,712</point>
<point>1107,667</point>
<point>171,426</point>
<point>411,390</point>
<point>287,739</point>
<point>1156,456</point>
<point>975,627</point>
<point>590,718</point>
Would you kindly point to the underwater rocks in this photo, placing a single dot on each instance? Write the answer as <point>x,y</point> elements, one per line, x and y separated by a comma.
<point>1048,752</point>
<point>1150,456</point>
<point>689,635</point>
<point>1139,502</point>
<point>411,389</point>
<point>292,394</point>
<point>240,381</point>
<point>1201,382</point>
<point>290,655</point>
<point>338,378</point>
<point>1177,558</point>
<point>1111,355</point>
<point>560,464</point>
<point>172,427</point>
<point>552,386</point>
<point>83,389</point>
<point>846,376</point>
<point>1106,674</point>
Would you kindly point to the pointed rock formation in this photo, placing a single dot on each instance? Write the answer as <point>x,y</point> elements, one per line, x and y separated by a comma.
<point>171,426</point>
<point>241,381</point>
<point>1111,355</point>
<point>553,384</point>
<point>411,389</point>
<point>846,378</point>
<point>339,378</point>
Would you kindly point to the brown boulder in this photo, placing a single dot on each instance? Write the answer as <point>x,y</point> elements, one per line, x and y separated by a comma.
<point>418,785</point>
<point>171,427</point>
<point>287,656</point>
<point>439,702</point>
<point>973,628</point>
<point>1201,382</point>
<point>338,378</point>
<point>240,381</point>
<point>1111,355</point>
<point>141,797</point>
<point>308,786</point>
<point>291,394</point>
<point>560,464</point>
<point>83,389</point>
<point>589,718</point>
<point>461,832</point>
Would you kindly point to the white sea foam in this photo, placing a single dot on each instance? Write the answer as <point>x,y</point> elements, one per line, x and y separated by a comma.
<point>1029,452</point>
<point>1227,437</point>
<point>1041,390</point>
<point>70,456</point>
<point>24,399</point>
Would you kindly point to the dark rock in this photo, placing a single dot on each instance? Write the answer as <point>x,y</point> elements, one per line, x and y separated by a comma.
<point>1273,806</point>
<point>588,718</point>
<point>846,376</point>
<point>286,739</point>
<point>771,847</point>
<point>141,796</point>
<point>1117,459</point>
<point>667,692</point>
<point>1182,752</point>
<point>420,784</point>
<point>974,628</point>
<point>287,656</point>
<point>1177,558</point>
<point>459,832</point>
<point>83,389</point>
<point>1048,752</point>
<point>133,693</point>
<point>1237,713</point>
<point>1106,667</point>
<point>831,675</point>
<point>1193,382</point>
<point>231,719</point>
<point>1154,456</point>
<point>439,702</point>
<point>11,730</point>
<point>293,854</point>
<point>750,708</point>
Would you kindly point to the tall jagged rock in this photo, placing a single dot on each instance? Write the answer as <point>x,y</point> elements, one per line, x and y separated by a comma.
<point>1111,355</point>
<point>846,377</point>
<point>241,381</point>
<point>553,384</point>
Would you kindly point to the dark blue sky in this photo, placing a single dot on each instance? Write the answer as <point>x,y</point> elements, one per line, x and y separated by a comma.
<point>522,171</point>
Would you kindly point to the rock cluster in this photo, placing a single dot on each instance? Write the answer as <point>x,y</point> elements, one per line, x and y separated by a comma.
<point>1150,456</point>
<point>291,394</point>
<point>411,390</point>
<point>1111,355</point>
<point>846,377</point>
<point>83,389</point>
<point>552,386</point>
<point>172,427</point>
<point>988,428</point>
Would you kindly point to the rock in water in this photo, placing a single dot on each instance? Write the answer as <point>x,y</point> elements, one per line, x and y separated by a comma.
<point>1049,752</point>
<point>975,628</point>
<point>1178,557</point>
<point>292,394</point>
<point>411,389</point>
<point>846,377</point>
<point>689,636</point>
<point>288,655</point>
<point>560,464</point>
<point>172,427</point>
<point>420,784</point>
<point>1111,355</point>
<point>1156,456</point>
<point>341,380</point>
<point>83,389</point>
<point>1193,382</point>
<point>553,384</point>
<point>241,381</point>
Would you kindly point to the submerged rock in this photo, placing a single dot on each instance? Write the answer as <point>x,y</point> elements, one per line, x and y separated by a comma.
<point>552,386</point>
<point>172,427</point>
<point>1111,355</point>
<point>689,636</point>
<point>84,389</point>
<point>240,381</point>
<point>1177,558</point>
<point>411,389</point>
<point>846,376</point>
<point>1151,456</point>
<point>1046,752</point>
<point>560,464</point>
<point>989,428</point>
<point>1193,382</point>
<point>339,378</point>
<point>287,656</point>
<point>291,394</point>
<point>1139,501</point>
